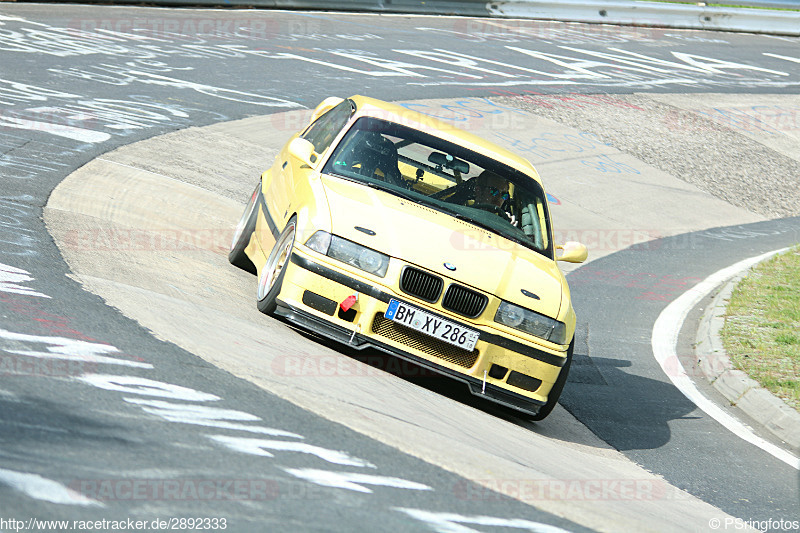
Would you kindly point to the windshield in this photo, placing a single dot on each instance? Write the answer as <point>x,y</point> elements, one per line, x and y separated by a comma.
<point>446,177</point>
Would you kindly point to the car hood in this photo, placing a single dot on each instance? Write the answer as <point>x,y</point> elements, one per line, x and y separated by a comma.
<point>430,239</point>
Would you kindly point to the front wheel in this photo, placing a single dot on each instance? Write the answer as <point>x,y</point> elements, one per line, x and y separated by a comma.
<point>558,386</point>
<point>241,236</point>
<point>271,279</point>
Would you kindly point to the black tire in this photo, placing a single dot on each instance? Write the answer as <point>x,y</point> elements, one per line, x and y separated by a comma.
<point>244,229</point>
<point>558,387</point>
<point>271,278</point>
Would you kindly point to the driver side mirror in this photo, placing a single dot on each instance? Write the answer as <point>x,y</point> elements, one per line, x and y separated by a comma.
<point>572,252</point>
<point>303,150</point>
<point>325,106</point>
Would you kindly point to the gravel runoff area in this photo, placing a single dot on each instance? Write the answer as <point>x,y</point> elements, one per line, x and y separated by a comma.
<point>700,151</point>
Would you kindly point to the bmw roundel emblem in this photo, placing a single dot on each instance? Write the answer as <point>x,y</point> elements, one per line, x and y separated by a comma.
<point>450,266</point>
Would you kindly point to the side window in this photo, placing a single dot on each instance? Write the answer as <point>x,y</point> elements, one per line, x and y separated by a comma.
<point>533,220</point>
<point>322,132</point>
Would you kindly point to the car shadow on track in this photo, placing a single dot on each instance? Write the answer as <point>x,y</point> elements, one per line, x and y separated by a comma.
<point>623,410</point>
<point>627,411</point>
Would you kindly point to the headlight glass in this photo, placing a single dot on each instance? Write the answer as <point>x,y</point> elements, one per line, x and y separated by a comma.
<point>353,254</point>
<point>510,315</point>
<point>320,242</point>
<point>531,322</point>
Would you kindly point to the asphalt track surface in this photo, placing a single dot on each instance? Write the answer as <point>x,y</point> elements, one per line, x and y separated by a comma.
<point>73,445</point>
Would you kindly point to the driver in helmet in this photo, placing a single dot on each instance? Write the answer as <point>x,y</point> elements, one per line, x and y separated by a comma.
<point>492,194</point>
<point>487,191</point>
<point>490,189</point>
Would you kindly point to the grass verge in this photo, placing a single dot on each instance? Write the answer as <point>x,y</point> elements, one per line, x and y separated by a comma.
<point>762,326</point>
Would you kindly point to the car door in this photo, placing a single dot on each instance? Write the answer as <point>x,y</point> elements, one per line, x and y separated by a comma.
<point>292,173</point>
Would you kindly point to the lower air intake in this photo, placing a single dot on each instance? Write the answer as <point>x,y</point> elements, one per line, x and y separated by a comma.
<point>413,339</point>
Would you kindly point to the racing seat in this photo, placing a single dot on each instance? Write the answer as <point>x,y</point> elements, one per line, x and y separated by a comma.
<point>376,157</point>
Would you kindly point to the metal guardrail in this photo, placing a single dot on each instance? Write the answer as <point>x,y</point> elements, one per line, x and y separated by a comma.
<point>655,14</point>
<point>756,16</point>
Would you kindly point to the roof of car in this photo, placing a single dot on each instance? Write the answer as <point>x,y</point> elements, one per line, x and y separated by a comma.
<point>402,115</point>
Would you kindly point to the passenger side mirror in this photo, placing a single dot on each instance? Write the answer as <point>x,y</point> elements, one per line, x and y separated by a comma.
<point>303,150</point>
<point>572,252</point>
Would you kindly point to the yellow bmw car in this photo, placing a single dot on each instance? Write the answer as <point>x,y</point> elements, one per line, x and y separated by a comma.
<point>380,227</point>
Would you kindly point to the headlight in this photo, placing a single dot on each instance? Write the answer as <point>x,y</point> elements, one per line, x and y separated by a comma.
<point>320,242</point>
<point>530,322</point>
<point>361,257</point>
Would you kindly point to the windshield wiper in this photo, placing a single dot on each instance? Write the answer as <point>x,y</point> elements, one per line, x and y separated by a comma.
<point>390,190</point>
<point>472,221</point>
<point>378,186</point>
<point>491,229</point>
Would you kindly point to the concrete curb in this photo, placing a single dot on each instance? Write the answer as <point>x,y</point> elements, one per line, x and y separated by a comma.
<point>742,391</point>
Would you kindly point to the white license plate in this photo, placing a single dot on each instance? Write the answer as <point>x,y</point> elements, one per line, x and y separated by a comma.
<point>433,325</point>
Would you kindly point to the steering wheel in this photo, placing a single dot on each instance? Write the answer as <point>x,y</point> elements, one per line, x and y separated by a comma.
<point>456,193</point>
<point>499,211</point>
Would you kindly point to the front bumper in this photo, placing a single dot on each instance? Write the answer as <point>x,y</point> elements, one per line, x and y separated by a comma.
<point>502,369</point>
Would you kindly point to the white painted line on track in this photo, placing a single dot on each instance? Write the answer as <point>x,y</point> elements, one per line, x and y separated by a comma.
<point>354,481</point>
<point>69,132</point>
<point>664,342</point>
<point>43,489</point>
<point>787,58</point>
